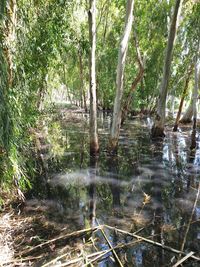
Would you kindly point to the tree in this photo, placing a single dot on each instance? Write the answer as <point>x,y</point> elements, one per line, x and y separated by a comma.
<point>137,79</point>
<point>94,143</point>
<point>195,97</point>
<point>116,120</point>
<point>187,116</point>
<point>158,127</point>
<point>182,99</point>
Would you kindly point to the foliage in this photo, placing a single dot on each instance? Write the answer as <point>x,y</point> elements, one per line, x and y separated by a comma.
<point>48,55</point>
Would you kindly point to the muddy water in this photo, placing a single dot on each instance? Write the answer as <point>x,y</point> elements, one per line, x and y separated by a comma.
<point>150,187</point>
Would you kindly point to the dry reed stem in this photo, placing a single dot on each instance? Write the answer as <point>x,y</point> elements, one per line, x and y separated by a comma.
<point>110,246</point>
<point>59,238</point>
<point>183,259</point>
<point>151,242</point>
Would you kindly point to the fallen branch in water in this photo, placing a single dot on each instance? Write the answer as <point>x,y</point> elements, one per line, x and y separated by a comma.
<point>183,259</point>
<point>98,255</point>
<point>73,261</point>
<point>151,242</point>
<point>110,246</point>
<point>76,233</point>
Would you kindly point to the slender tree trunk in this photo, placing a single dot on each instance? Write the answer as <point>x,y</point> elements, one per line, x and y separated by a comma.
<point>82,91</point>
<point>137,80</point>
<point>94,143</point>
<point>195,97</point>
<point>116,123</point>
<point>187,116</point>
<point>195,94</point>
<point>158,127</point>
<point>182,100</point>
<point>171,111</point>
<point>81,76</point>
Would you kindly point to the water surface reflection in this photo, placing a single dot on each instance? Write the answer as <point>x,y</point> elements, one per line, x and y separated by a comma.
<point>149,186</point>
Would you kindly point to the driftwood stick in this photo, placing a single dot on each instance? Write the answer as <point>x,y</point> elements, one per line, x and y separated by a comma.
<point>190,220</point>
<point>183,259</point>
<point>59,238</point>
<point>151,242</point>
<point>110,246</point>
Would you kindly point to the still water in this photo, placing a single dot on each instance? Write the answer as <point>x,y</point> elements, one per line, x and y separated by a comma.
<point>149,187</point>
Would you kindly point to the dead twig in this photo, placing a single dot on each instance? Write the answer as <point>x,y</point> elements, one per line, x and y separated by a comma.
<point>183,259</point>
<point>151,242</point>
<point>59,238</point>
<point>98,255</point>
<point>110,246</point>
<point>73,261</point>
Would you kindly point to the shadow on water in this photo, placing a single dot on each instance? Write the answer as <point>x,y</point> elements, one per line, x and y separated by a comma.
<point>150,187</point>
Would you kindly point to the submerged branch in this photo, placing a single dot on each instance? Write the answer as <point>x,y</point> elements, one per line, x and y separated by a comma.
<point>151,242</point>
<point>76,233</point>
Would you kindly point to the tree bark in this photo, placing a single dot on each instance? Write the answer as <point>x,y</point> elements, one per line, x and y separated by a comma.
<point>82,98</point>
<point>137,80</point>
<point>94,143</point>
<point>187,116</point>
<point>158,127</point>
<point>116,122</point>
<point>195,97</point>
<point>182,100</point>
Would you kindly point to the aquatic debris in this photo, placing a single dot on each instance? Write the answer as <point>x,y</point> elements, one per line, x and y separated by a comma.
<point>140,220</point>
<point>167,228</point>
<point>147,198</point>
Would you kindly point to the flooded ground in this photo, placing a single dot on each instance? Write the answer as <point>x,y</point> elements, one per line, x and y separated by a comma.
<point>148,188</point>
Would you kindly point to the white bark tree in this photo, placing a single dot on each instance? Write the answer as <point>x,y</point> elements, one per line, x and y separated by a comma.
<point>159,122</point>
<point>94,143</point>
<point>195,92</point>
<point>117,111</point>
<point>187,116</point>
<point>195,99</point>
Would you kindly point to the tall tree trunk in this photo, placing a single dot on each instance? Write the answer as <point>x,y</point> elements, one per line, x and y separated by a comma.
<point>81,76</point>
<point>94,143</point>
<point>116,122</point>
<point>187,116</point>
<point>171,111</point>
<point>195,94</point>
<point>158,127</point>
<point>136,81</point>
<point>195,97</point>
<point>182,100</point>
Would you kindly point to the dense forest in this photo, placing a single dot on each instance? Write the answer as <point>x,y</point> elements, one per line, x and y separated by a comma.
<point>99,132</point>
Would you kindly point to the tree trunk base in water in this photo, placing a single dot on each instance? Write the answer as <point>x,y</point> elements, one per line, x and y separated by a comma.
<point>175,129</point>
<point>94,149</point>
<point>113,146</point>
<point>157,132</point>
<point>193,140</point>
